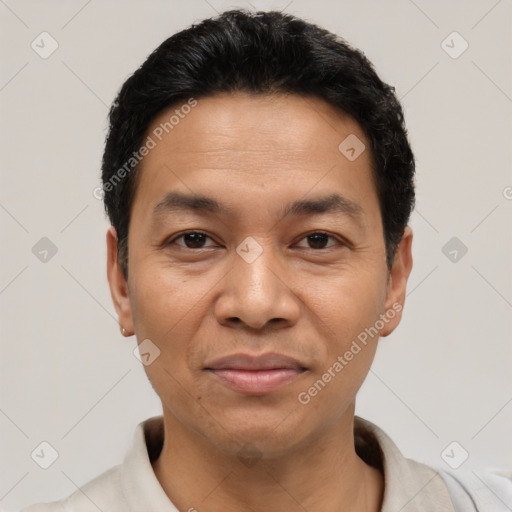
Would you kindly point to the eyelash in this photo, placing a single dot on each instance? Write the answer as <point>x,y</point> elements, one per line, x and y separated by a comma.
<point>173,241</point>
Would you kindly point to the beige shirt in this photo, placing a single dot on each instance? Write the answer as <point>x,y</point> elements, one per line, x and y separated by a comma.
<point>409,486</point>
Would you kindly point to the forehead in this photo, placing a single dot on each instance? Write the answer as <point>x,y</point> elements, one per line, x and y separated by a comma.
<point>258,144</point>
<point>254,123</point>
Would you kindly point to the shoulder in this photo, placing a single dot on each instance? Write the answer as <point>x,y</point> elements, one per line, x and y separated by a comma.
<point>417,486</point>
<point>479,491</point>
<point>104,493</point>
<point>131,485</point>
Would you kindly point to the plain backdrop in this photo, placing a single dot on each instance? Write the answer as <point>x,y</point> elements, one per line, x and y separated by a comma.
<point>67,375</point>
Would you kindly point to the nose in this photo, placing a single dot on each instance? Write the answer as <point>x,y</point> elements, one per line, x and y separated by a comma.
<point>258,294</point>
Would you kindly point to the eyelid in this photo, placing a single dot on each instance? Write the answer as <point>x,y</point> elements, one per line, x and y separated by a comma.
<point>171,241</point>
<point>339,240</point>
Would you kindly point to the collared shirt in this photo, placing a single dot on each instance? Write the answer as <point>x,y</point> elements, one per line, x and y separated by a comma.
<point>409,486</point>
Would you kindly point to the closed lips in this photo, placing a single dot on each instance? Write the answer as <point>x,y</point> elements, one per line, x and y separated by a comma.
<point>255,363</point>
<point>261,375</point>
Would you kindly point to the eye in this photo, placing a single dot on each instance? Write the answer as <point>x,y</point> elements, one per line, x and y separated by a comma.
<point>198,240</point>
<point>319,240</point>
<point>191,240</point>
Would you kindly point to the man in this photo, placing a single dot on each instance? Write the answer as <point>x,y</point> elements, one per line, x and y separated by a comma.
<point>259,182</point>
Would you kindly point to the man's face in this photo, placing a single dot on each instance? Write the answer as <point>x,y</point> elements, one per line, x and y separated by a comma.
<point>286,258</point>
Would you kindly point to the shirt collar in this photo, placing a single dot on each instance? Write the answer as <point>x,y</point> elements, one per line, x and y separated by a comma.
<point>409,486</point>
<point>138,480</point>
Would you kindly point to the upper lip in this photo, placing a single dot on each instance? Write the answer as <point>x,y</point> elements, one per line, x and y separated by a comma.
<point>270,361</point>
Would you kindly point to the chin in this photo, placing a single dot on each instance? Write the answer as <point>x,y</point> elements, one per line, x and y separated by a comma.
<point>272,430</point>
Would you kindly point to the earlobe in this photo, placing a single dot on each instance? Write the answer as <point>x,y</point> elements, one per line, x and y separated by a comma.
<point>397,283</point>
<point>118,284</point>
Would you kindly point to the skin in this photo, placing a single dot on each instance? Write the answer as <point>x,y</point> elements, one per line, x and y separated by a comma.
<point>256,154</point>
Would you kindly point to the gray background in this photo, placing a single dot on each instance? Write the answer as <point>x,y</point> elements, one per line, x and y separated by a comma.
<point>67,375</point>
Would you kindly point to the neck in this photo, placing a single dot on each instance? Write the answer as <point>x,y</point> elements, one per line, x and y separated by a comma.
<point>324,474</point>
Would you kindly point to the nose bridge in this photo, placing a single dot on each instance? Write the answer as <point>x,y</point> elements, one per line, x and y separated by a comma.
<point>255,293</point>
<point>258,277</point>
<point>254,278</point>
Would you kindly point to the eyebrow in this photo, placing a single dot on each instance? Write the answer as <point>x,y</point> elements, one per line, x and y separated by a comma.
<point>175,201</point>
<point>333,203</point>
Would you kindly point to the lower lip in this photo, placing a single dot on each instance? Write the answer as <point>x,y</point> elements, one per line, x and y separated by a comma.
<point>257,382</point>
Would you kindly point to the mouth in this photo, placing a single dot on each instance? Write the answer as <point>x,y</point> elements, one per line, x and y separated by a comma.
<point>256,375</point>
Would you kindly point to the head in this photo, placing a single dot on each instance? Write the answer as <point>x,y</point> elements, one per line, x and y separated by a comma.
<point>259,182</point>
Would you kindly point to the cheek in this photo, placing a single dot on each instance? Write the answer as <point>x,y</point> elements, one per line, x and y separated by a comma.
<point>166,310</point>
<point>346,310</point>
<point>347,303</point>
<point>163,302</point>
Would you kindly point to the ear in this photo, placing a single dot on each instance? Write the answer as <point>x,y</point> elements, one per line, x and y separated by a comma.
<point>118,285</point>
<point>397,282</point>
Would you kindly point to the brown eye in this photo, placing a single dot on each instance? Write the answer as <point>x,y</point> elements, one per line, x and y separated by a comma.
<point>318,240</point>
<point>194,240</point>
<point>191,240</point>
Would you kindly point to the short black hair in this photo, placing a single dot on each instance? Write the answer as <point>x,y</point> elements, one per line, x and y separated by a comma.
<point>259,53</point>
